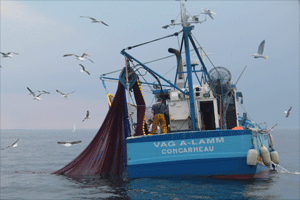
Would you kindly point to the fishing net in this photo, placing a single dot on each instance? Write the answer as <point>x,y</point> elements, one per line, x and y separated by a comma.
<point>106,154</point>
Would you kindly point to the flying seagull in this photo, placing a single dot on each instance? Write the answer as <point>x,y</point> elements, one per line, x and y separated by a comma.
<point>64,95</point>
<point>208,12</point>
<point>35,97</point>
<point>82,58</point>
<point>15,144</point>
<point>260,52</point>
<point>87,116</point>
<point>94,20</point>
<point>68,144</point>
<point>83,69</point>
<point>8,54</point>
<point>288,112</point>
<point>271,129</point>
<point>41,91</point>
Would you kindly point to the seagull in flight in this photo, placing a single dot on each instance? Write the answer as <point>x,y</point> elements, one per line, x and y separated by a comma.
<point>288,112</point>
<point>82,58</point>
<point>87,116</point>
<point>94,20</point>
<point>35,97</point>
<point>68,144</point>
<point>8,54</point>
<point>15,144</point>
<point>41,91</point>
<point>260,52</point>
<point>208,12</point>
<point>64,95</point>
<point>83,69</point>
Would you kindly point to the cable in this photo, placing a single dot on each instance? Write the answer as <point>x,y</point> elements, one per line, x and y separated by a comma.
<point>207,57</point>
<point>175,34</point>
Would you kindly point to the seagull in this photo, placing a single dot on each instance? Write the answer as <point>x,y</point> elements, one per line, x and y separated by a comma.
<point>208,12</point>
<point>87,116</point>
<point>35,97</point>
<point>8,54</point>
<point>82,58</point>
<point>41,91</point>
<point>64,95</point>
<point>271,129</point>
<point>95,20</point>
<point>261,49</point>
<point>68,144</point>
<point>15,144</point>
<point>83,69</point>
<point>288,112</point>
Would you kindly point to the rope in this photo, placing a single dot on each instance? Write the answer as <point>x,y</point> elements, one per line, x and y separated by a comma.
<point>175,34</point>
<point>207,57</point>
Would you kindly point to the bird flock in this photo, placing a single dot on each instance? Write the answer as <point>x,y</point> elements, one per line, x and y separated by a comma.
<point>65,96</point>
<point>38,94</point>
<point>65,143</point>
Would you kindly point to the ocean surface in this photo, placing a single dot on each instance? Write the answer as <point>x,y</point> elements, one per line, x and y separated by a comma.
<point>26,173</point>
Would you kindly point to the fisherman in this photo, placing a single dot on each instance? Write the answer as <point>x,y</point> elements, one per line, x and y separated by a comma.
<point>159,107</point>
<point>150,124</point>
<point>160,113</point>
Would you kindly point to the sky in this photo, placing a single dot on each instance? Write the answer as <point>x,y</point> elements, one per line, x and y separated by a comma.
<point>43,31</point>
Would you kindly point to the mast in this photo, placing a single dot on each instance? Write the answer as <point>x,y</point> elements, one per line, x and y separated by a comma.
<point>127,85</point>
<point>186,31</point>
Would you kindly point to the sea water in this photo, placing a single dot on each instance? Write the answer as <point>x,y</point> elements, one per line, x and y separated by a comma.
<point>26,173</point>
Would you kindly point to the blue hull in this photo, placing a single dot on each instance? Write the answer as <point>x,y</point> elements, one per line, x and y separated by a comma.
<point>198,153</point>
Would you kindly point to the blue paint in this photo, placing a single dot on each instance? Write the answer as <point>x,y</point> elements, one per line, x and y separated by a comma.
<point>147,68</point>
<point>186,32</point>
<point>188,135</point>
<point>132,77</point>
<point>201,153</point>
<point>204,70</point>
<point>204,167</point>
<point>126,132</point>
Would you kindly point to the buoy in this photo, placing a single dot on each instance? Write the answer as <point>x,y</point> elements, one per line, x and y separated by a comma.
<point>274,157</point>
<point>238,128</point>
<point>265,155</point>
<point>271,141</point>
<point>252,156</point>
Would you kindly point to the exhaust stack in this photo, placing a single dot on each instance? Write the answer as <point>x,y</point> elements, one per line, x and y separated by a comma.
<point>180,80</point>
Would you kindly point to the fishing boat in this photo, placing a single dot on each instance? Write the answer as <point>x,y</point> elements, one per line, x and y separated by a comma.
<point>202,133</point>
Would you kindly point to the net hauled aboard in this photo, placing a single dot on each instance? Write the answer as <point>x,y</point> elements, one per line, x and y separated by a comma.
<point>106,154</point>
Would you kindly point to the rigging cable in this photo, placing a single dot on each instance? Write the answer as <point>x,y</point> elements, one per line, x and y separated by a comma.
<point>174,34</point>
<point>207,57</point>
<point>143,77</point>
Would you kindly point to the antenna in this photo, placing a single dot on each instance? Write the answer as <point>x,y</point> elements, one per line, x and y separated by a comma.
<point>185,21</point>
<point>240,75</point>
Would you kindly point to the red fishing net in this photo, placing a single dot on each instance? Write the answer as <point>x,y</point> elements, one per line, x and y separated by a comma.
<point>106,154</point>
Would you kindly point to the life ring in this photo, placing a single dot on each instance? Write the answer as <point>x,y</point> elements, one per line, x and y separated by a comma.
<point>110,98</point>
<point>159,118</point>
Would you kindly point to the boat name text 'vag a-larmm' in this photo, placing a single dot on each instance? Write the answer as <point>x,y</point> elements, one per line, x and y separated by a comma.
<point>188,146</point>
